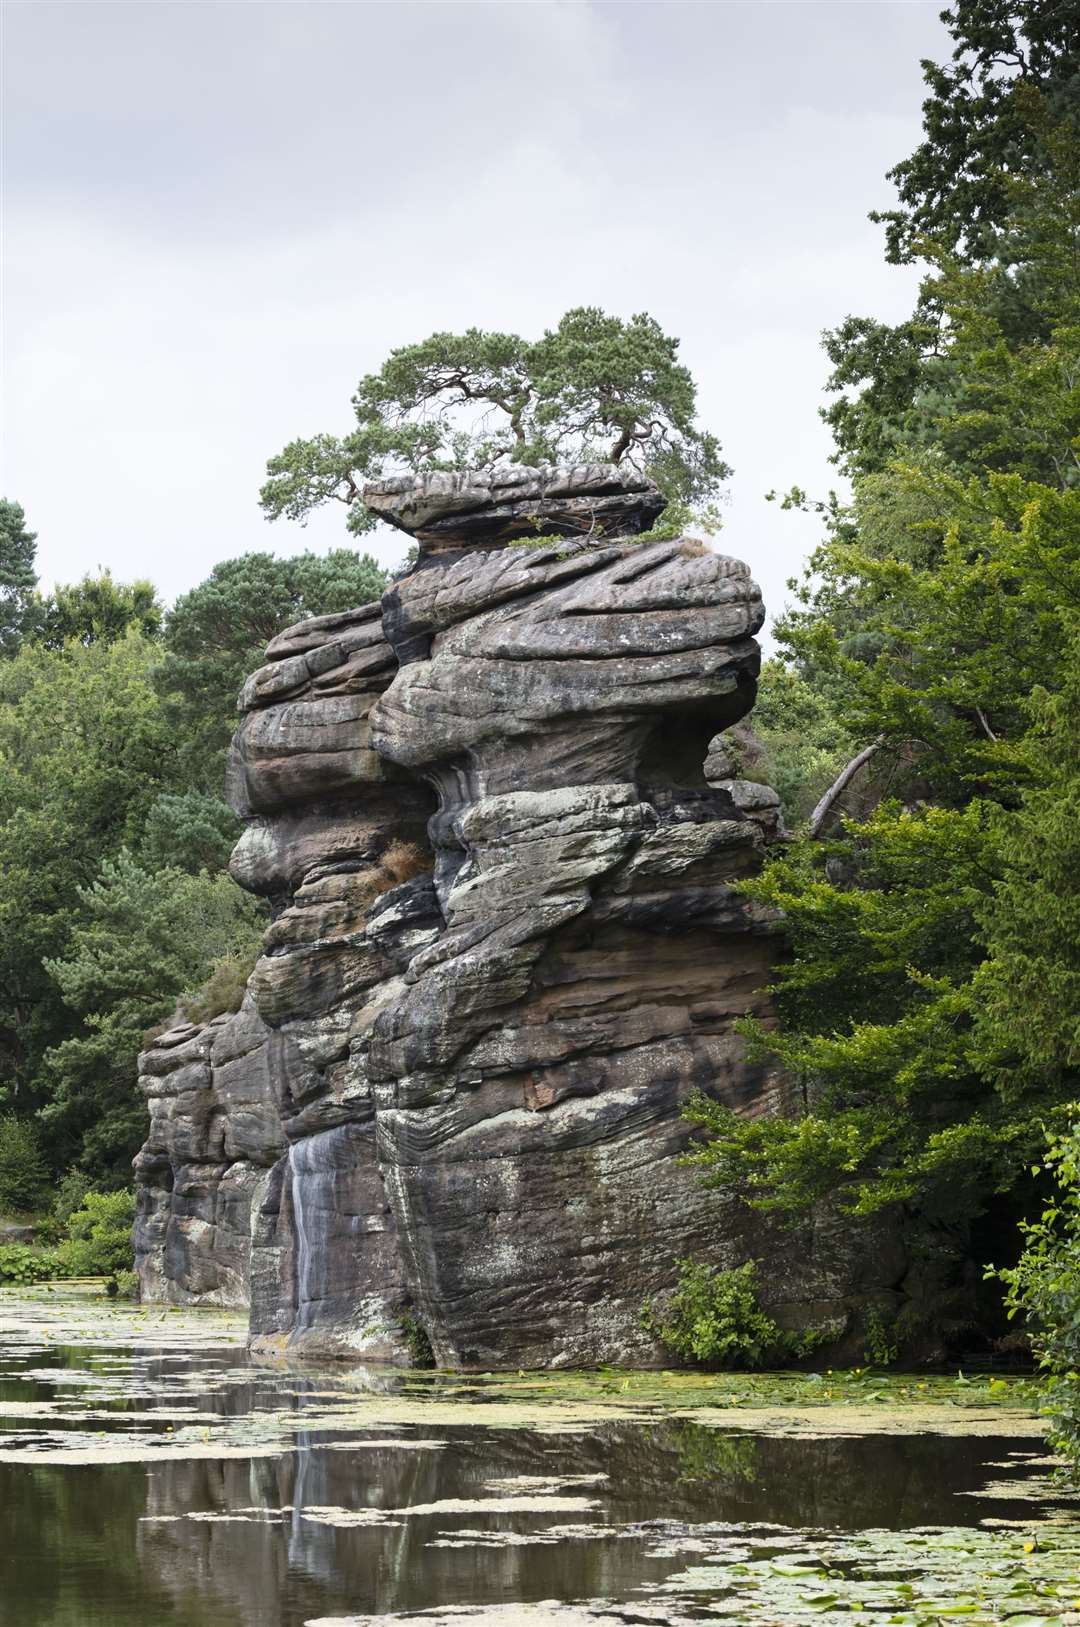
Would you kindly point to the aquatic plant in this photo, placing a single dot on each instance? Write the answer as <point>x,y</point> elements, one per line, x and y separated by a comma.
<point>21,1264</point>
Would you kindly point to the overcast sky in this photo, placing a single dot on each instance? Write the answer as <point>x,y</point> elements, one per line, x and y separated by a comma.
<point>219,215</point>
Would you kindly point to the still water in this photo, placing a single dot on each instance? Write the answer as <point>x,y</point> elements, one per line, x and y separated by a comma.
<point>150,1474</point>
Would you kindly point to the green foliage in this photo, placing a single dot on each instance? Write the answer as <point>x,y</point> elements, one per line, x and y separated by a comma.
<point>93,1238</point>
<point>713,1317</point>
<point>124,1284</point>
<point>216,634</point>
<point>96,610</point>
<point>113,834</point>
<point>1044,1288</point>
<point>978,132</point>
<point>23,1265</point>
<point>224,989</point>
<point>875,1008</point>
<point>99,1236</point>
<point>18,578</point>
<point>143,936</point>
<point>593,387</point>
<point>71,1190</point>
<point>803,734</point>
<point>23,1173</point>
<point>188,830</point>
<point>929,1013</point>
<point>416,1338</point>
<point>951,379</point>
<point>1028,988</point>
<point>83,751</point>
<point>880,1345</point>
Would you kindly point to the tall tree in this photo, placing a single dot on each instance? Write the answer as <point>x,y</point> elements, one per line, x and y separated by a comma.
<point>1002,132</point>
<point>216,634</point>
<point>141,937</point>
<point>594,387</point>
<point>84,751</point>
<point>978,134</point>
<point>18,578</point>
<point>1027,1023</point>
<point>937,606</point>
<point>94,611</point>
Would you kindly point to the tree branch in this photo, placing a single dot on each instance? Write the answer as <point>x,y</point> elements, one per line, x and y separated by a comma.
<point>987,730</point>
<point>839,785</point>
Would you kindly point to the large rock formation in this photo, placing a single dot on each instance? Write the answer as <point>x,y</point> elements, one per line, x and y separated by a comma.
<point>498,821</point>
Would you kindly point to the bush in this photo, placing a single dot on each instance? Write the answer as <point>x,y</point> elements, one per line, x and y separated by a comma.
<point>22,1168</point>
<point>71,1190</point>
<point>98,1243</point>
<point>416,1338</point>
<point>713,1317</point>
<point>880,1346</point>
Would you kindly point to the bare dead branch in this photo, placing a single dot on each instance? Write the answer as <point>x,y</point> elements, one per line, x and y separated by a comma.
<point>839,785</point>
<point>986,729</point>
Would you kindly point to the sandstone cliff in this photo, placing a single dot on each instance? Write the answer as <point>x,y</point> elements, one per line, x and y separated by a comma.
<point>498,820</point>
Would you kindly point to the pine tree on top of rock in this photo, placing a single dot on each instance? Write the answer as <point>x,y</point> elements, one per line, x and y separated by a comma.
<point>594,388</point>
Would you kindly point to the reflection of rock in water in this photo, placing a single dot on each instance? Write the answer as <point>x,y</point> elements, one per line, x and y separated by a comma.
<point>281,1570</point>
<point>498,817</point>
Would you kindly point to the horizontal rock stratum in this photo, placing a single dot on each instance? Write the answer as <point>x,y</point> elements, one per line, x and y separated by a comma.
<point>497,819</point>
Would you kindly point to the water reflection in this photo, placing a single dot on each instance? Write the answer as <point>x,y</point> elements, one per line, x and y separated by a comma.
<point>409,1513</point>
<point>103,1547</point>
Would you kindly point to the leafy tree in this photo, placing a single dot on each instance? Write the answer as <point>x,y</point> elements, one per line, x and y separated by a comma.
<point>216,634</point>
<point>938,607</point>
<point>18,578</point>
<point>954,188</point>
<point>23,1174</point>
<point>875,1032</point>
<point>893,916</point>
<point>994,191</point>
<point>593,387</point>
<point>96,610</point>
<point>143,938</point>
<point>806,741</point>
<point>84,752</point>
<point>1028,988</point>
<point>97,764</point>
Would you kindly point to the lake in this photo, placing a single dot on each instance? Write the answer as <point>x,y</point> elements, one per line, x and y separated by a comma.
<point>150,1473</point>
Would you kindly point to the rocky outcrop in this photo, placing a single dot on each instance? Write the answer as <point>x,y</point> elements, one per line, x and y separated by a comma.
<point>498,818</point>
<point>478,508</point>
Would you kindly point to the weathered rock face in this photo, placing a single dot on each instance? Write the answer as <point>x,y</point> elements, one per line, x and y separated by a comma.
<point>498,820</point>
<point>485,507</point>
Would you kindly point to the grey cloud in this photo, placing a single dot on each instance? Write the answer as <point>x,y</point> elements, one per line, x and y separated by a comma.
<point>219,215</point>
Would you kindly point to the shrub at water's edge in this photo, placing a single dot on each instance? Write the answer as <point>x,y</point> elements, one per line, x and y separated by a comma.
<point>96,1242</point>
<point>1044,1288</point>
<point>714,1317</point>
